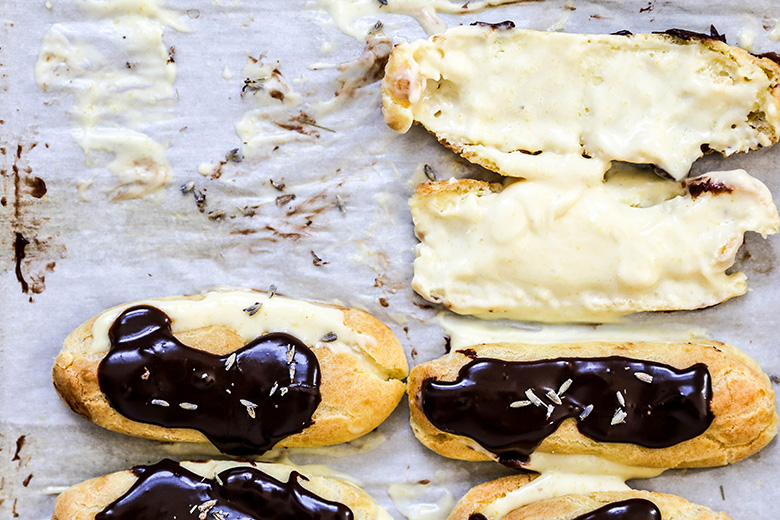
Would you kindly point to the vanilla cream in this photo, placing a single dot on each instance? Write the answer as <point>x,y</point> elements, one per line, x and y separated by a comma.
<point>421,501</point>
<point>465,332</point>
<point>540,251</point>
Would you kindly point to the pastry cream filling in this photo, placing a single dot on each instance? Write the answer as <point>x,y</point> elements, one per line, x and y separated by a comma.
<point>466,332</point>
<point>543,252</point>
<point>566,475</point>
<point>541,104</point>
<point>306,321</point>
<point>121,76</point>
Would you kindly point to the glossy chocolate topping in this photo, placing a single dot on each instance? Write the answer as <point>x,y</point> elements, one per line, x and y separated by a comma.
<point>633,509</point>
<point>244,403</point>
<point>691,35</point>
<point>511,407</point>
<point>166,490</point>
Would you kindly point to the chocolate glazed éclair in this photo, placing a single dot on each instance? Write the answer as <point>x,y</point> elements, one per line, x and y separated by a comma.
<point>166,490</point>
<point>509,407</point>
<point>244,403</point>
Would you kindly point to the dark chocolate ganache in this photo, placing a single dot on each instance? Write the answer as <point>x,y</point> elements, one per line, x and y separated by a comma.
<point>166,490</point>
<point>244,402</point>
<point>511,407</point>
<point>633,509</point>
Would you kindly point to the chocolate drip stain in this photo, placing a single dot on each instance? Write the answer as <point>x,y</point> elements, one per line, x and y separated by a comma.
<point>511,407</point>
<point>244,403</point>
<point>19,445</point>
<point>166,490</point>
<point>37,186</point>
<point>633,509</point>
<point>19,244</point>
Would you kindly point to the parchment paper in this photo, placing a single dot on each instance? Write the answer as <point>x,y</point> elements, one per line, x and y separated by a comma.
<point>87,253</point>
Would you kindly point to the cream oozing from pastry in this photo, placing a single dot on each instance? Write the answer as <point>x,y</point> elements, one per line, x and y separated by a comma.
<point>308,322</point>
<point>465,332</point>
<point>566,475</point>
<point>543,104</point>
<point>545,252</point>
<point>121,75</point>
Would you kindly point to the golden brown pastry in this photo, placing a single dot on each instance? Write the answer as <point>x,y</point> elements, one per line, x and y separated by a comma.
<point>213,490</point>
<point>651,405</point>
<point>325,375</point>
<point>567,507</point>
<point>537,104</point>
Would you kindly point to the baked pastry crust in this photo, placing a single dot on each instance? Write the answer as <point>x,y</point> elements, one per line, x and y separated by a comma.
<point>529,103</point>
<point>568,507</point>
<point>743,404</point>
<point>84,500</point>
<point>359,390</point>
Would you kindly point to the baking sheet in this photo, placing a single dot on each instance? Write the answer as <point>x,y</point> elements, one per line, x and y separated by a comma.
<point>87,252</point>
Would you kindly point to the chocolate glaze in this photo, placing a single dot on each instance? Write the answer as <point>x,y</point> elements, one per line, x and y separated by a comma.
<point>672,408</point>
<point>770,56</point>
<point>147,368</point>
<point>501,26</point>
<point>632,509</point>
<point>166,490</point>
<point>692,35</point>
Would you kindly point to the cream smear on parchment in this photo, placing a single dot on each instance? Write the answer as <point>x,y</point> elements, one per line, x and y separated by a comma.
<point>346,13</point>
<point>120,74</point>
<point>424,500</point>
<point>279,113</point>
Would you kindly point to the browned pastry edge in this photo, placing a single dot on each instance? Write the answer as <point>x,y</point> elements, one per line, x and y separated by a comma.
<point>568,507</point>
<point>84,500</point>
<point>743,404</point>
<point>354,399</point>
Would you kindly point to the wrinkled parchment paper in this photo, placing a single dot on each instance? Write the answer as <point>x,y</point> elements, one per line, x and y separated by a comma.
<point>351,183</point>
